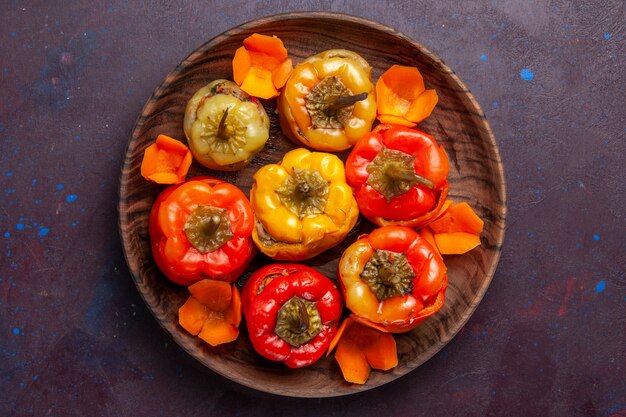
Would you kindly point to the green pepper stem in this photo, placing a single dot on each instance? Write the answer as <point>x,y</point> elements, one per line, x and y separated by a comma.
<point>303,317</point>
<point>345,101</point>
<point>397,172</point>
<point>221,130</point>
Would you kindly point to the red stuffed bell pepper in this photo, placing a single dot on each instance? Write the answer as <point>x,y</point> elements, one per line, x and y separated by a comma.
<point>202,229</point>
<point>292,312</point>
<point>399,176</point>
<point>392,279</point>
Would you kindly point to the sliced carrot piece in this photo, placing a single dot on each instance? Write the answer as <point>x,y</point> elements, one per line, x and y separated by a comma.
<point>395,120</point>
<point>458,218</point>
<point>361,348</point>
<point>215,295</point>
<point>429,236</point>
<point>241,64</point>
<point>280,75</point>
<point>258,83</point>
<point>422,106</point>
<point>192,315</point>
<point>401,97</point>
<point>456,243</point>
<point>346,323</point>
<point>444,208</point>
<point>233,314</point>
<point>352,361</point>
<point>166,161</point>
<point>270,45</point>
<point>215,332</point>
<point>381,352</point>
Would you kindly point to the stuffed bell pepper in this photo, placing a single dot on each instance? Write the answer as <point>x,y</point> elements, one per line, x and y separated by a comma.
<point>392,279</point>
<point>398,175</point>
<point>292,313</point>
<point>202,229</point>
<point>225,127</point>
<point>329,101</point>
<point>303,205</point>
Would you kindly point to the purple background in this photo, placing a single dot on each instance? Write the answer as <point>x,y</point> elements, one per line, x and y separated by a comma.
<point>548,338</point>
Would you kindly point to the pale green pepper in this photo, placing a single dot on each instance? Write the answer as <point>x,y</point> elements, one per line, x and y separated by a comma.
<point>225,127</point>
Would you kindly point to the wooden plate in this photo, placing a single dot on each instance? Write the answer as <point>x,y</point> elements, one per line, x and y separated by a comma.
<point>476,176</point>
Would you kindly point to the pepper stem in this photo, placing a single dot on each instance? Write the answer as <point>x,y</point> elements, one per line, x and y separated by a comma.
<point>221,129</point>
<point>388,274</point>
<point>207,228</point>
<point>398,172</point>
<point>298,321</point>
<point>345,101</point>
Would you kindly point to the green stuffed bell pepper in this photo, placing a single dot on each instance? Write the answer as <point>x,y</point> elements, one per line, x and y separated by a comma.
<point>225,127</point>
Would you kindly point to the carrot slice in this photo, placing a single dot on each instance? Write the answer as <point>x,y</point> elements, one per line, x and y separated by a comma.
<point>458,218</point>
<point>192,315</point>
<point>166,161</point>
<point>215,332</point>
<point>429,236</point>
<point>401,97</point>
<point>346,323</point>
<point>215,295</point>
<point>270,45</point>
<point>456,243</point>
<point>261,66</point>
<point>352,361</point>
<point>241,64</point>
<point>258,83</point>
<point>280,74</point>
<point>381,352</point>
<point>233,314</point>
<point>361,348</point>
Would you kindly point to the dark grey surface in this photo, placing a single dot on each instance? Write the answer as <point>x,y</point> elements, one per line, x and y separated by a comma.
<point>548,338</point>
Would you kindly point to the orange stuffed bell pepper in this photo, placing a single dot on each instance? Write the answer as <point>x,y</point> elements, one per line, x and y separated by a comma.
<point>329,101</point>
<point>398,175</point>
<point>303,205</point>
<point>392,279</point>
<point>202,229</point>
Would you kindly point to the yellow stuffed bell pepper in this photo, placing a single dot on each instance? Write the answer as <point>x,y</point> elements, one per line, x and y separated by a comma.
<point>303,205</point>
<point>329,101</point>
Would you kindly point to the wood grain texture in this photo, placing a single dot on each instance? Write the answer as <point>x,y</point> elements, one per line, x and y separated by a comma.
<point>476,176</point>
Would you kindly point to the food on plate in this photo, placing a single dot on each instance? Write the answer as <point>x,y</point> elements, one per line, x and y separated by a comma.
<point>401,97</point>
<point>329,101</point>
<point>261,66</point>
<point>303,205</point>
<point>398,175</point>
<point>392,279</point>
<point>225,127</point>
<point>212,312</point>
<point>360,349</point>
<point>202,229</point>
<point>455,231</point>
<point>292,313</point>
<point>166,161</point>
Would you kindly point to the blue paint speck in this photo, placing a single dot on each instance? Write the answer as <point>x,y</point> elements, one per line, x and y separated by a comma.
<point>60,187</point>
<point>13,34</point>
<point>9,174</point>
<point>527,74</point>
<point>7,234</point>
<point>77,137</point>
<point>494,36</point>
<point>34,182</point>
<point>76,223</point>
<point>16,331</point>
<point>607,36</point>
<point>71,198</point>
<point>600,286</point>
<point>495,104</point>
<point>483,57</point>
<point>43,231</point>
<point>21,385</point>
<point>596,237</point>
<point>19,226</point>
<point>35,377</point>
